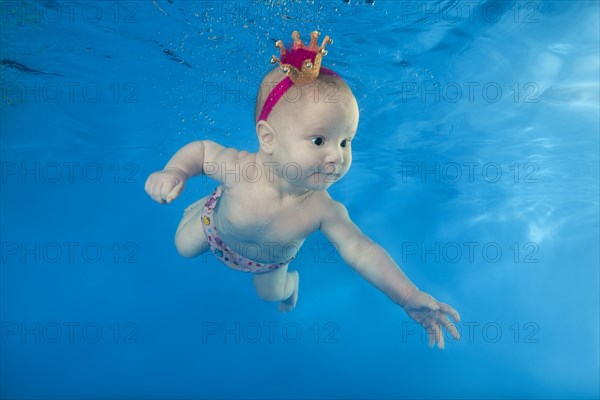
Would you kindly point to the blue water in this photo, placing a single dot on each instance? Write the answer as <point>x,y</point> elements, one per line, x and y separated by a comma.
<point>475,165</point>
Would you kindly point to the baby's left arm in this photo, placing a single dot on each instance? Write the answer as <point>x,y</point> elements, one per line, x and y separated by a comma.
<point>374,264</point>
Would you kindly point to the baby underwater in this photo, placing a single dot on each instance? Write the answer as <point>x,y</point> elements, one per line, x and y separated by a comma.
<point>305,146</point>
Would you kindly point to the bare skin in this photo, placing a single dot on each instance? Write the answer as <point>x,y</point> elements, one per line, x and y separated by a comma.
<point>274,198</point>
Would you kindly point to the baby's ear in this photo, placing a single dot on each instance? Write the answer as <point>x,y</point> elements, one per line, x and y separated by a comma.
<point>265,136</point>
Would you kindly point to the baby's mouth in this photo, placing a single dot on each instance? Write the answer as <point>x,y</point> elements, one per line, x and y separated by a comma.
<point>329,171</point>
<point>327,176</point>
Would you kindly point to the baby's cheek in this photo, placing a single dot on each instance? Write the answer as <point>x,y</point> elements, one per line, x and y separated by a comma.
<point>348,161</point>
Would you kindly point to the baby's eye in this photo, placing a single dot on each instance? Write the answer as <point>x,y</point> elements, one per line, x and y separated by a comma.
<point>318,141</point>
<point>345,143</point>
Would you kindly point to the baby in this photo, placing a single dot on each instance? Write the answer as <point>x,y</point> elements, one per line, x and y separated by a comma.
<point>271,200</point>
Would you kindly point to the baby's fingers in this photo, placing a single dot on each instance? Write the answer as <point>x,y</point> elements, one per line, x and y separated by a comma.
<point>450,327</point>
<point>446,309</point>
<point>435,335</point>
<point>431,336</point>
<point>440,336</point>
<point>148,184</point>
<point>165,189</point>
<point>175,192</point>
<point>153,188</point>
<point>156,193</point>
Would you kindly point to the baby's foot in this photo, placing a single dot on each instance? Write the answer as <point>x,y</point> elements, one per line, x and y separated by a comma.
<point>290,303</point>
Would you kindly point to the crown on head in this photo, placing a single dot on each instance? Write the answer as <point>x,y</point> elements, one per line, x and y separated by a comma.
<point>302,64</point>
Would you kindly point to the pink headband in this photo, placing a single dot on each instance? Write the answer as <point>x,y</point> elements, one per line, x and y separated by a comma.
<point>301,64</point>
<point>279,90</point>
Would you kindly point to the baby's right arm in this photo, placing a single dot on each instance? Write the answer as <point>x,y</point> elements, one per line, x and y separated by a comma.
<point>164,186</point>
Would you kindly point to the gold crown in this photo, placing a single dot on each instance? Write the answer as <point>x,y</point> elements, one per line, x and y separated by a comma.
<point>302,64</point>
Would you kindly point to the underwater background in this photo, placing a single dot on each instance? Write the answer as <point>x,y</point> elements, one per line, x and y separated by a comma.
<point>475,166</point>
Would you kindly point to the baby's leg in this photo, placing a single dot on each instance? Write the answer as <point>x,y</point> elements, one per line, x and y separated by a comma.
<point>279,285</point>
<point>190,238</point>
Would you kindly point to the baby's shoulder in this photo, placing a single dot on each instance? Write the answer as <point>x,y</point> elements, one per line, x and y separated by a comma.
<point>238,166</point>
<point>246,158</point>
<point>331,212</point>
<point>219,154</point>
<point>326,205</point>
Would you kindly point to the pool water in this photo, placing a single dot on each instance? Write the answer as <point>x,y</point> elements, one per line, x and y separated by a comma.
<point>475,166</point>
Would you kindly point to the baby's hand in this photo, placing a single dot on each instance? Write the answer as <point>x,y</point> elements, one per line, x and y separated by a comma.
<point>164,186</point>
<point>431,313</point>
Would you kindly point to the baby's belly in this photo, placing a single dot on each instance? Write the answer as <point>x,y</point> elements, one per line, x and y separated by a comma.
<point>266,235</point>
<point>265,243</point>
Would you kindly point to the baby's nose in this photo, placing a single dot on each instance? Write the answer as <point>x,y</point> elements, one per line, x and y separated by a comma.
<point>334,156</point>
